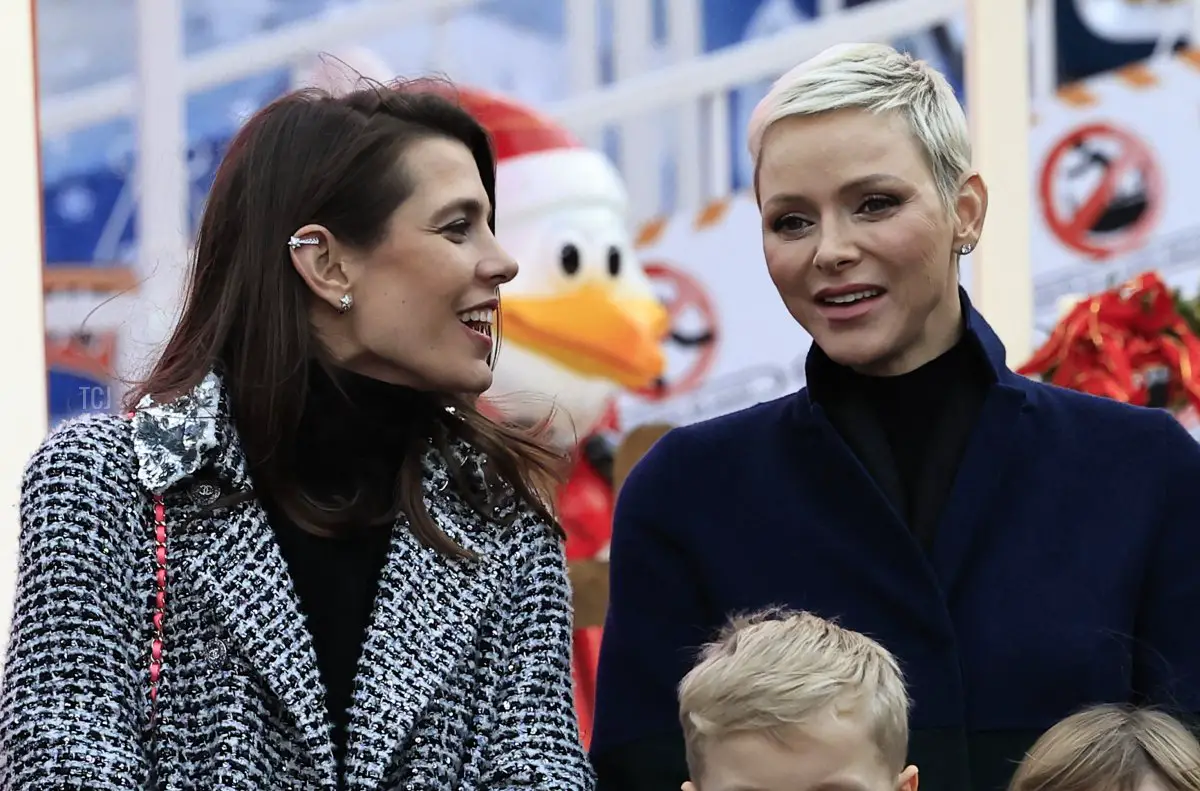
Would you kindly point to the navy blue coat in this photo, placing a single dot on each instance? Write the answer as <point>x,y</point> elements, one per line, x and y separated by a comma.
<point>1064,571</point>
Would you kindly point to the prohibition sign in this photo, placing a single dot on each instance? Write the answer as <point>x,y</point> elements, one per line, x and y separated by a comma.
<point>1101,190</point>
<point>687,295</point>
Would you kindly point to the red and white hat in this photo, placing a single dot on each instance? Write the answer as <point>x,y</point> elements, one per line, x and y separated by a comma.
<point>539,163</point>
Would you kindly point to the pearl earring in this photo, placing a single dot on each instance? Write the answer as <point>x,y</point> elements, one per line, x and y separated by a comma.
<point>345,303</point>
<point>966,249</point>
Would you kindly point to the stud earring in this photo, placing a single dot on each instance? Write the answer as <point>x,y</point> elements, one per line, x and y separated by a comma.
<point>345,303</point>
<point>966,249</point>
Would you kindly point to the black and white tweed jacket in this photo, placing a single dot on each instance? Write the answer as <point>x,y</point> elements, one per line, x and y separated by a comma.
<point>464,681</point>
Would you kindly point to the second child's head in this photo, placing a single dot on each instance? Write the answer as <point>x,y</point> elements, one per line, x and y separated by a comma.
<point>1112,748</point>
<point>788,701</point>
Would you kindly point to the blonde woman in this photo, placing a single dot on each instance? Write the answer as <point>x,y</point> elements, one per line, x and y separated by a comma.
<point>1112,748</point>
<point>1022,550</point>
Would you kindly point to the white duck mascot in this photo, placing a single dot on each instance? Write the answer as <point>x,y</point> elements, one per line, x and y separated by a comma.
<point>579,324</point>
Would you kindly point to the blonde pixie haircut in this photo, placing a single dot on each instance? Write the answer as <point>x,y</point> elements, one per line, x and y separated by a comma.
<point>878,79</point>
<point>1111,748</point>
<point>777,670</point>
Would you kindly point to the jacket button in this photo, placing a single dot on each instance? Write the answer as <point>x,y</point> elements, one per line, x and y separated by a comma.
<point>204,493</point>
<point>216,652</point>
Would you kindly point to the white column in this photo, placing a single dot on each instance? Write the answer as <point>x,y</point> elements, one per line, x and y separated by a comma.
<point>161,179</point>
<point>997,56</point>
<point>1043,32</point>
<point>1194,38</point>
<point>23,354</point>
<point>442,58</point>
<point>718,171</point>
<point>685,31</point>
<point>583,36</point>
<point>640,138</point>
<point>583,55</point>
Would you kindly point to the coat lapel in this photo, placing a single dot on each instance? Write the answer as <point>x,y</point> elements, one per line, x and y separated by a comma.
<point>995,447</point>
<point>243,578</point>
<point>426,621</point>
<point>1000,438</point>
<point>861,431</point>
<point>427,614</point>
<point>240,573</point>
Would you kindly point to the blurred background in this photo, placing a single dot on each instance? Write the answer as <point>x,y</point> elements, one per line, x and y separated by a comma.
<point>662,87</point>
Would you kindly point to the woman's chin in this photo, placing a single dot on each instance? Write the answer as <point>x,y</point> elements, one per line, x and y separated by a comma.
<point>476,378</point>
<point>863,357</point>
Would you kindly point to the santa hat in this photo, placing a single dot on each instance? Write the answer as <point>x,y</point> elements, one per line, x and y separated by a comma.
<point>539,163</point>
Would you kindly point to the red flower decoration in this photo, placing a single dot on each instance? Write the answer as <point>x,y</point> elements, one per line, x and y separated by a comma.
<point>1118,343</point>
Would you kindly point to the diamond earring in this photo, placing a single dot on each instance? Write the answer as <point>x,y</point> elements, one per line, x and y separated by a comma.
<point>295,242</point>
<point>966,249</point>
<point>345,303</point>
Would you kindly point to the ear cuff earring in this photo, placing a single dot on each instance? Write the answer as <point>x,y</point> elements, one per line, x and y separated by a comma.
<point>295,243</point>
<point>966,249</point>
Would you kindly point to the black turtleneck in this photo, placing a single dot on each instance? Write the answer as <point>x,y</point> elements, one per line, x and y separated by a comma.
<point>924,419</point>
<point>349,442</point>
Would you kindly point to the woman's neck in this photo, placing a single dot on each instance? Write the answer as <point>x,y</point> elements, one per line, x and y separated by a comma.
<point>355,426</point>
<point>941,334</point>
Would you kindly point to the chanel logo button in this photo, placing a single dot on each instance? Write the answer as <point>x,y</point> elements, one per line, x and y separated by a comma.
<point>215,652</point>
<point>204,493</point>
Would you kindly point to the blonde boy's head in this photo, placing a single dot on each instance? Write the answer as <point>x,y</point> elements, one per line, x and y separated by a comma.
<point>795,685</point>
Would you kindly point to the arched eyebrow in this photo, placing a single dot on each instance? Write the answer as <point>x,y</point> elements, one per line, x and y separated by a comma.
<point>874,180</point>
<point>862,184</point>
<point>472,207</point>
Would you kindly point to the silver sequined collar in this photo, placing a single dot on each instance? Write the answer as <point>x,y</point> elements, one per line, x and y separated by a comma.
<point>176,439</point>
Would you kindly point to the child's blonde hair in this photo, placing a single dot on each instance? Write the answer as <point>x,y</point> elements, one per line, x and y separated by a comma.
<point>1111,748</point>
<point>775,670</point>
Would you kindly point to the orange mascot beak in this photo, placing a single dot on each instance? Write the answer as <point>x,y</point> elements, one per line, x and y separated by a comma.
<point>592,332</point>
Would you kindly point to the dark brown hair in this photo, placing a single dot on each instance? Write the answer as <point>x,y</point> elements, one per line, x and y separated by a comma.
<point>311,157</point>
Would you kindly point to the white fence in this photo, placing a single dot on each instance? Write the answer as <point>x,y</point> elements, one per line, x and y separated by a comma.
<point>663,99</point>
<point>698,90</point>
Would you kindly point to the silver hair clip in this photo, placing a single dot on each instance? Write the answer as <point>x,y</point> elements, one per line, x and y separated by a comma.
<point>294,242</point>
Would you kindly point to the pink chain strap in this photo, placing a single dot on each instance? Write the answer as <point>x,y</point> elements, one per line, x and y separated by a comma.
<point>160,598</point>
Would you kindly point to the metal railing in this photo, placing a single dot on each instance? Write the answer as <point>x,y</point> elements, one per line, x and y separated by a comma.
<point>697,92</point>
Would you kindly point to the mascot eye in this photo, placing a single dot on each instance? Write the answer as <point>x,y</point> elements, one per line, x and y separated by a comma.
<point>614,261</point>
<point>569,257</point>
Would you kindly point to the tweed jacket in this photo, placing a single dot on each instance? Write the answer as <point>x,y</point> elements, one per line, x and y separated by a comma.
<point>464,681</point>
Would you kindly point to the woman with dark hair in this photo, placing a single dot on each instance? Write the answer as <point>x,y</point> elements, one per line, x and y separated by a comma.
<point>304,559</point>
